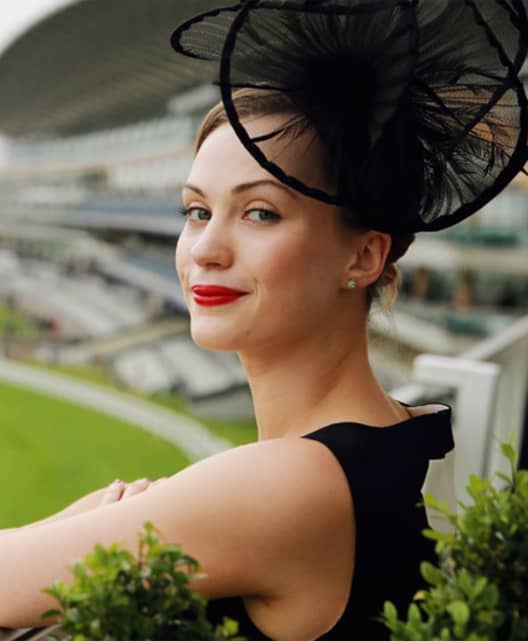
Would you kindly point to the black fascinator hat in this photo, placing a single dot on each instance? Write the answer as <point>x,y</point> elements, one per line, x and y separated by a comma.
<point>418,102</point>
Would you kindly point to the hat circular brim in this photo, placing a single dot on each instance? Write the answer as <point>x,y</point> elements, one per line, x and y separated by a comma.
<point>487,139</point>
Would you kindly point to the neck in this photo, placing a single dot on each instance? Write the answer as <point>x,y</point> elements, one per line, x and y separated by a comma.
<point>305,385</point>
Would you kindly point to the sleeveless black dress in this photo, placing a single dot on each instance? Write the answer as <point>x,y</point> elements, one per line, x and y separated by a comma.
<point>385,469</point>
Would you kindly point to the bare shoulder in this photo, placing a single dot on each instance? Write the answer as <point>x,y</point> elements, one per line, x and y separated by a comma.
<point>296,473</point>
<point>294,490</point>
<point>300,475</point>
<point>304,496</point>
<point>282,462</point>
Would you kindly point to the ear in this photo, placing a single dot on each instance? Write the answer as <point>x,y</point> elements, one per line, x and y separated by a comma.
<point>370,258</point>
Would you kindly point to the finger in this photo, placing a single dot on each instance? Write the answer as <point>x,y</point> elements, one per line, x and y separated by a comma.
<point>113,493</point>
<point>136,487</point>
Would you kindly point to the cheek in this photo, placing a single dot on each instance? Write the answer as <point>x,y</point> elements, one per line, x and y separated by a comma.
<point>281,261</point>
<point>181,257</point>
<point>296,274</point>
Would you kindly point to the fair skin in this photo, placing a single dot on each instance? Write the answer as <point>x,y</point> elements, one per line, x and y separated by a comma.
<point>298,316</point>
<point>259,518</point>
<point>118,490</point>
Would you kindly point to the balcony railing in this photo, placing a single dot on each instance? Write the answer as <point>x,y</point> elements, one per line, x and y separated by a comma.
<point>488,389</point>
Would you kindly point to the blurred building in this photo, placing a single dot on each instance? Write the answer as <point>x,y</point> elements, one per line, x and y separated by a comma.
<point>99,116</point>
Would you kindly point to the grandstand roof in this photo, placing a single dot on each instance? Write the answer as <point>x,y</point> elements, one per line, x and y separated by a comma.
<point>94,65</point>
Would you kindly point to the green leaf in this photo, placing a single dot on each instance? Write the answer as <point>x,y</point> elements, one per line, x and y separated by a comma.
<point>431,574</point>
<point>465,583</point>
<point>479,586</point>
<point>476,487</point>
<point>414,615</point>
<point>509,453</point>
<point>490,596</point>
<point>437,536</point>
<point>389,610</point>
<point>51,613</point>
<point>459,612</point>
<point>430,501</point>
<point>231,627</point>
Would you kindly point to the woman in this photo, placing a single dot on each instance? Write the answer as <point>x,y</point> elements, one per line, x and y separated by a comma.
<point>300,281</point>
<point>289,263</point>
<point>295,215</point>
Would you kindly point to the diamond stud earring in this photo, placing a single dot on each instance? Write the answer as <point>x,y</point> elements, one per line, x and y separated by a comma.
<point>351,284</point>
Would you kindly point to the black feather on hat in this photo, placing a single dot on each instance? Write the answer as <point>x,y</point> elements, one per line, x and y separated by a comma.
<point>419,102</point>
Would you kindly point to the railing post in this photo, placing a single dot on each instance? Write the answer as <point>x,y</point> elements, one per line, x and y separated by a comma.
<point>523,450</point>
<point>475,384</point>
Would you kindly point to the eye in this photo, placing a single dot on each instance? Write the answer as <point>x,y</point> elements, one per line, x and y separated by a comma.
<point>262,215</point>
<point>195,214</point>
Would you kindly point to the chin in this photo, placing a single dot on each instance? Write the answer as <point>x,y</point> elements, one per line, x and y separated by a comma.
<point>213,337</point>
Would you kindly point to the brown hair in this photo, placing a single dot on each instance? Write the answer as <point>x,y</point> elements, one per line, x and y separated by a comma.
<point>252,102</point>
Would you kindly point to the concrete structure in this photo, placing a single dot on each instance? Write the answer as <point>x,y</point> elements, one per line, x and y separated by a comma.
<point>101,112</point>
<point>96,65</point>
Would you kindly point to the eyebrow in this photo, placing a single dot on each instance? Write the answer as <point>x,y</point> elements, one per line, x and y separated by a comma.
<point>245,186</point>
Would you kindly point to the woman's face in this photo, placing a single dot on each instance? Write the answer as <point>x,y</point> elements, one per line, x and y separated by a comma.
<point>247,231</point>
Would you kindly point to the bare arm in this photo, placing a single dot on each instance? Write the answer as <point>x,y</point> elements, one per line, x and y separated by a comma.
<point>85,503</point>
<point>114,492</point>
<point>240,520</point>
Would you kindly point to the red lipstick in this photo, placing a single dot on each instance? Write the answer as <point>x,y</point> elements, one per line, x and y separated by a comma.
<point>211,295</point>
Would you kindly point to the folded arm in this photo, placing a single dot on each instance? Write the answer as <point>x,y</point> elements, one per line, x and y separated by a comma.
<point>104,496</point>
<point>85,503</point>
<point>238,513</point>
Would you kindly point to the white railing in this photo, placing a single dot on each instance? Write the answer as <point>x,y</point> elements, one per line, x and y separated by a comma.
<point>488,388</point>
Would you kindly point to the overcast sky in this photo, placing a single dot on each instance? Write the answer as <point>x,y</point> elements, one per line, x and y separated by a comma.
<point>18,15</point>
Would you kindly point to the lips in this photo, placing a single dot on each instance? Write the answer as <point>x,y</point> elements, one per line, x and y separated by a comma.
<point>211,295</point>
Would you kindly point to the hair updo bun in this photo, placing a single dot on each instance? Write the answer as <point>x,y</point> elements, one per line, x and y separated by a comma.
<point>385,289</point>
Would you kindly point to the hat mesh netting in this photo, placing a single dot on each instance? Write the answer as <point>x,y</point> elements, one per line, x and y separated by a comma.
<point>418,103</point>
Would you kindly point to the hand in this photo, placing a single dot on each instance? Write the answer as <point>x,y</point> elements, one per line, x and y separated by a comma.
<point>105,496</point>
<point>119,490</point>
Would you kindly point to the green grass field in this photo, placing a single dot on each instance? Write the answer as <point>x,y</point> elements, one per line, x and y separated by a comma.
<point>15,324</point>
<point>53,452</point>
<point>238,432</point>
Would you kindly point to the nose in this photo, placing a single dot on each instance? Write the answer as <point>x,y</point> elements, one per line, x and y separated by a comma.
<point>213,246</point>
